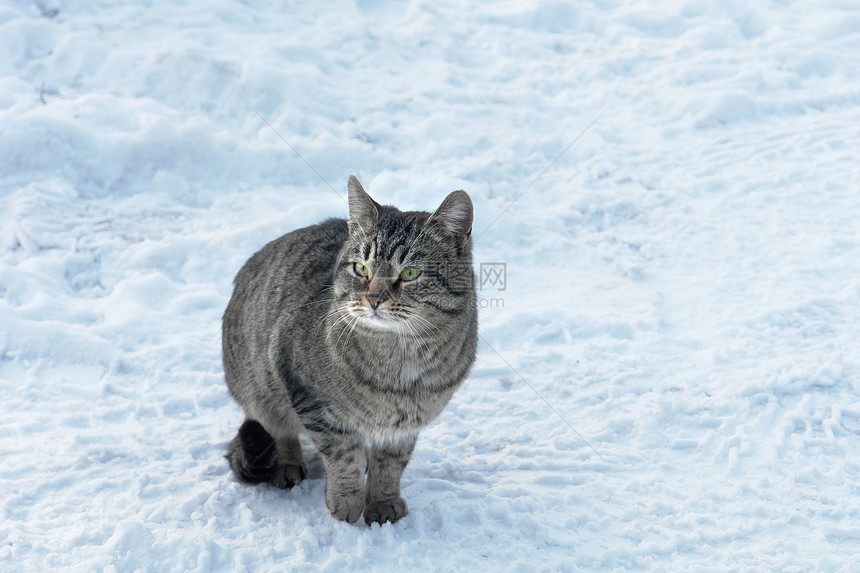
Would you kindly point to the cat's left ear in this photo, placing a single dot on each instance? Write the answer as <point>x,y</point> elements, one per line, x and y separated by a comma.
<point>455,215</point>
<point>363,210</point>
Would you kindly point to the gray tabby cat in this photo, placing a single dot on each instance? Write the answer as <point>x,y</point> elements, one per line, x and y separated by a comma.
<point>357,333</point>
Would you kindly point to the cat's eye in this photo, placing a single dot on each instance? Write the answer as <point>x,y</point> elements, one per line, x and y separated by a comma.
<point>410,274</point>
<point>360,269</point>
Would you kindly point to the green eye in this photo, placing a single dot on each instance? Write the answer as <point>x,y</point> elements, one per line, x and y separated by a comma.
<point>410,274</point>
<point>360,269</point>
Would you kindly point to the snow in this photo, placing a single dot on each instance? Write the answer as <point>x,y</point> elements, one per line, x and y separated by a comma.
<point>669,376</point>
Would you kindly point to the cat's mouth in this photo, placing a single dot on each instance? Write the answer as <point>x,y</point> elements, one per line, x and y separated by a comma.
<point>375,318</point>
<point>379,319</point>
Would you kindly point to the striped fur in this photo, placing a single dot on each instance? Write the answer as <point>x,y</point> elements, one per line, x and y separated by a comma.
<point>359,363</point>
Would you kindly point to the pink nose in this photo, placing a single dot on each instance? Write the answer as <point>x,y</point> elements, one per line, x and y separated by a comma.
<point>374,299</point>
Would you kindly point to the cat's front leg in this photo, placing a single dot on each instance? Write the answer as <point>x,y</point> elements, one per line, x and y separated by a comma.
<point>345,463</point>
<point>385,468</point>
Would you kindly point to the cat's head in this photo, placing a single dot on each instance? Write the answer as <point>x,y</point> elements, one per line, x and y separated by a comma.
<point>408,272</point>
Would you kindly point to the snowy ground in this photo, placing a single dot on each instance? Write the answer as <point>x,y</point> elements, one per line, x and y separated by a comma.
<point>682,288</point>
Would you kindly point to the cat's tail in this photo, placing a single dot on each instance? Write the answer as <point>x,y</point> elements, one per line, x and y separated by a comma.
<point>252,453</point>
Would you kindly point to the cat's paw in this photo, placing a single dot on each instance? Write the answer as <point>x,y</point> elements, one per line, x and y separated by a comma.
<point>346,508</point>
<point>286,476</point>
<point>385,510</point>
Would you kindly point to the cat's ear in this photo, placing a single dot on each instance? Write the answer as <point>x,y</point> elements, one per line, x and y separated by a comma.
<point>454,215</point>
<point>363,210</point>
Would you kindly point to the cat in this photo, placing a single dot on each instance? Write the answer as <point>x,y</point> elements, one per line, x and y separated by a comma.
<point>357,333</point>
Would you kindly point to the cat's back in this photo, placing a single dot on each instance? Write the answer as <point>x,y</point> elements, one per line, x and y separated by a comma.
<point>291,272</point>
<point>296,256</point>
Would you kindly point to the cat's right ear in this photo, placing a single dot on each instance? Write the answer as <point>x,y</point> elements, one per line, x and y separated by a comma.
<point>363,210</point>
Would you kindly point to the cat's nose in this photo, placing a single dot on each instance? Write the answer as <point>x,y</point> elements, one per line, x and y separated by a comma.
<point>375,299</point>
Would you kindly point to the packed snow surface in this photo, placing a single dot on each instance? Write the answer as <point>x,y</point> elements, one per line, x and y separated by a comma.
<point>667,200</point>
